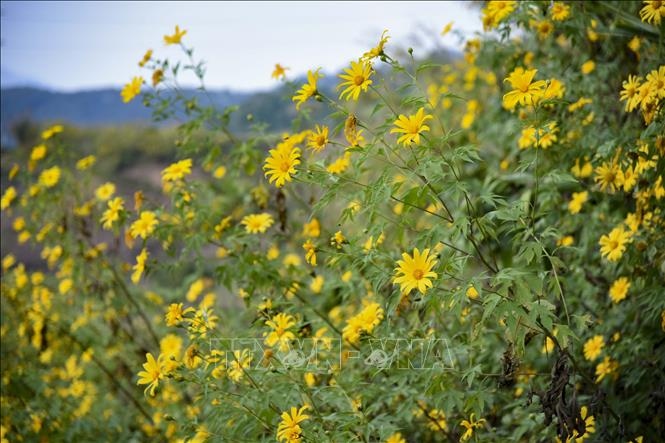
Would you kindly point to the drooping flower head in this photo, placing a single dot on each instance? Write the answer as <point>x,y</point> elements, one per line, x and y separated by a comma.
<point>308,89</point>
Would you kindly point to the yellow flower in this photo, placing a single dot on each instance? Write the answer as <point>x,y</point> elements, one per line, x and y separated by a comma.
<point>437,420</point>
<point>139,267</point>
<point>565,241</point>
<point>131,89</point>
<point>176,37</point>
<point>472,293</point>
<point>656,80</point>
<point>652,11</point>
<point>446,29</point>
<point>606,367</point>
<point>177,171</point>
<point>619,289</point>
<point>575,204</point>
<point>357,80</point>
<point>337,240</point>
<point>317,284</point>
<point>340,165</point>
<point>593,347</point>
<point>495,12</point>
<point>257,223</point>
<point>195,289</point>
<point>112,214</point>
<point>50,132</point>
<point>154,371</point>
<point>319,139</point>
<point>144,226</point>
<point>7,198</point>
<point>175,314</point>
<point>588,67</point>
<point>241,361</point>
<point>630,92</point>
<point>352,134</point>
<point>470,425</point>
<point>279,72</point>
<point>105,191</point>
<point>219,172</point>
<point>416,271</point>
<point>560,11</point>
<point>308,89</point>
<point>608,176</point>
<point>365,321</point>
<point>613,245</point>
<point>396,438</point>
<point>312,229</point>
<point>281,164</point>
<point>146,58</point>
<point>582,171</point>
<point>411,126</point>
<point>38,153</point>
<point>310,252</point>
<point>85,162</point>
<point>289,429</point>
<point>280,335</point>
<point>50,177</point>
<point>157,77</point>
<point>378,49</point>
<point>524,91</point>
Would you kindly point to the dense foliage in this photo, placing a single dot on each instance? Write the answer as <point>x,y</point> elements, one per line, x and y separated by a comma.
<point>462,251</point>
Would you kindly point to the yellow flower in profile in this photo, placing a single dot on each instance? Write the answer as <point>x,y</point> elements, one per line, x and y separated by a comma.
<point>7,198</point>
<point>378,49</point>
<point>280,335</point>
<point>139,267</point>
<point>86,162</point>
<point>396,438</point>
<point>289,430</point>
<point>312,229</point>
<point>308,89</point>
<point>437,420</point>
<point>241,360</point>
<point>357,80</point>
<point>582,171</point>
<point>653,11</point>
<point>157,77</point>
<point>565,241</point>
<point>38,153</point>
<point>613,245</point>
<point>146,58</point>
<point>49,177</point>
<point>593,347</point>
<point>470,425</point>
<point>317,140</point>
<point>447,28</point>
<point>105,191</point>
<point>630,92</point>
<point>559,11</point>
<point>416,271</point>
<point>619,289</point>
<point>131,89</point>
<point>365,321</point>
<point>605,368</point>
<point>588,67</point>
<point>340,165</point>
<point>257,223</point>
<point>524,91</point>
<point>495,12</point>
<point>53,130</point>
<point>154,372</point>
<point>411,126</point>
<point>112,213</point>
<point>177,171</point>
<point>317,284</point>
<point>176,37</point>
<point>144,226</point>
<point>279,72</point>
<point>280,166</point>
<point>352,134</point>
<point>175,313</point>
<point>337,240</point>
<point>575,204</point>
<point>310,252</point>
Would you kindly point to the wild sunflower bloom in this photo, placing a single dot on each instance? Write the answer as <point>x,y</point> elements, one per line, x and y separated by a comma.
<point>411,126</point>
<point>257,223</point>
<point>312,229</point>
<point>656,80</point>
<point>377,51</point>
<point>139,267</point>
<point>416,271</point>
<point>7,198</point>
<point>317,140</point>
<point>144,226</point>
<point>131,89</point>
<point>38,153</point>
<point>310,252</point>
<point>495,12</point>
<point>53,130</point>
<point>177,171</point>
<point>279,72</point>
<point>280,334</point>
<point>613,245</point>
<point>154,372</point>
<point>653,11</point>
<point>608,176</point>
<point>176,37</point>
<point>593,347</point>
<point>105,191</point>
<point>630,92</point>
<point>241,361</point>
<point>365,321</point>
<point>289,429</point>
<point>619,289</point>
<point>524,91</point>
<point>357,80</point>
<point>308,89</point>
<point>470,425</point>
<point>281,164</point>
<point>112,213</point>
<point>146,58</point>
<point>575,204</point>
<point>605,368</point>
<point>49,177</point>
<point>396,438</point>
<point>175,314</point>
<point>352,134</point>
<point>560,11</point>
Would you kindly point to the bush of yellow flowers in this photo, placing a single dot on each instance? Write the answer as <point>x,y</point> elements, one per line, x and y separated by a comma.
<point>460,251</point>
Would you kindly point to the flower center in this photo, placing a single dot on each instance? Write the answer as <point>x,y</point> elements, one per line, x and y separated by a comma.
<point>285,166</point>
<point>320,140</point>
<point>614,244</point>
<point>358,80</point>
<point>418,274</point>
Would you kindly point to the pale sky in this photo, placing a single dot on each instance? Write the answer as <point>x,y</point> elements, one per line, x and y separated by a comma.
<point>85,45</point>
